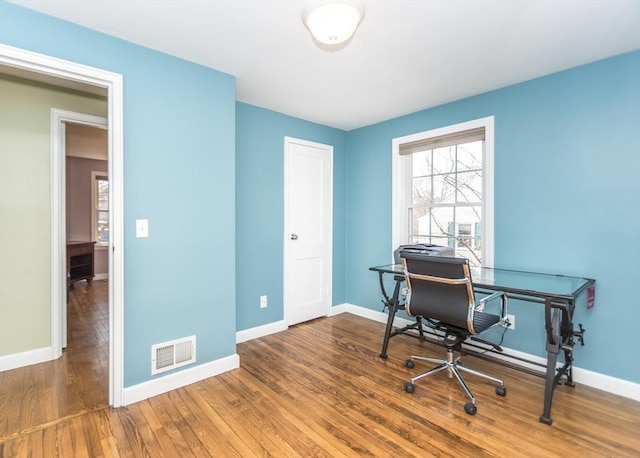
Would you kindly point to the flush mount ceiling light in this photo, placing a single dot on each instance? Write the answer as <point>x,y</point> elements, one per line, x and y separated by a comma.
<point>332,22</point>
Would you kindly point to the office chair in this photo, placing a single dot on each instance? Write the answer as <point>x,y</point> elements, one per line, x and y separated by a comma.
<point>441,291</point>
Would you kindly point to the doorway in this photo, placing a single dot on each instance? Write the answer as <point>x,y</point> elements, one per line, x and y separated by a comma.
<point>82,144</point>
<point>308,230</point>
<point>67,74</point>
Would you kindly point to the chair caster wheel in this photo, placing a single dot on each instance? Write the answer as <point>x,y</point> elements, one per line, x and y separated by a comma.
<point>501,390</point>
<point>409,387</point>
<point>470,408</point>
<point>409,363</point>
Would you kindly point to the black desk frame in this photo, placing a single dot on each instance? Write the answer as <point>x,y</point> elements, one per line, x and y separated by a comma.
<point>558,318</point>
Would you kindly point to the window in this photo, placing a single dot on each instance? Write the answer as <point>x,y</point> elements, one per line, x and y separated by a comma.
<point>100,208</point>
<point>443,189</point>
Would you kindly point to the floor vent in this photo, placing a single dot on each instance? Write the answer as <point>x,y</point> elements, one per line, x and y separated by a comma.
<point>169,355</point>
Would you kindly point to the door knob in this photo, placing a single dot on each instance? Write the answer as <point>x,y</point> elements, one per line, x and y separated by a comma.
<point>293,236</point>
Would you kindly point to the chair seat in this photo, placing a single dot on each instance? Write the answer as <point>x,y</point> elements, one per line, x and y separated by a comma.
<point>482,321</point>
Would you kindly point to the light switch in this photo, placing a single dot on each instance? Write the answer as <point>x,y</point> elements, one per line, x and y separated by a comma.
<point>142,228</point>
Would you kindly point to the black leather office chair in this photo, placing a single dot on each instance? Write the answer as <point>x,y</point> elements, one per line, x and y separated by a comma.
<point>440,290</point>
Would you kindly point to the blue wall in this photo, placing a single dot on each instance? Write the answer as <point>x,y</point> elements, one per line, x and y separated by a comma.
<point>179,172</point>
<point>567,198</point>
<point>260,209</point>
<point>567,195</point>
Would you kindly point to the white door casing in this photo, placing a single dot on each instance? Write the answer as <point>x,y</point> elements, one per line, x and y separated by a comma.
<point>53,67</point>
<point>308,188</point>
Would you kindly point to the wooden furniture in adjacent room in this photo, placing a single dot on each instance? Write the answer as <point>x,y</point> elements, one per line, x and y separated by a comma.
<point>80,262</point>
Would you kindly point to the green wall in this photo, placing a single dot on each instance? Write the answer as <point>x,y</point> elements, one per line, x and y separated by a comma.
<point>25,208</point>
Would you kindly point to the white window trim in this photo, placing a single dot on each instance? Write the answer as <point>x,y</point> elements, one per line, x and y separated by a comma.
<point>401,186</point>
<point>94,209</point>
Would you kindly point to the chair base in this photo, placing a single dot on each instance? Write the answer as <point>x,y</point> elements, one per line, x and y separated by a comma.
<point>454,366</point>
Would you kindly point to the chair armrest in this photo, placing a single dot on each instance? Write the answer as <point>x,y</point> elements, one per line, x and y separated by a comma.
<point>492,297</point>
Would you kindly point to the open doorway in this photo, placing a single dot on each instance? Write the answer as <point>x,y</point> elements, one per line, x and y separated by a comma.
<point>83,144</point>
<point>85,317</point>
<point>85,334</point>
<point>77,77</point>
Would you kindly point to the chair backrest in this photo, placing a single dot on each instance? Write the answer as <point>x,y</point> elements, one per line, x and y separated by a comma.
<point>439,288</point>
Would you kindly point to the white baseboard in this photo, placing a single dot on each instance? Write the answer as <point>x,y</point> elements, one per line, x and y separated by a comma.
<point>102,276</point>
<point>177,380</point>
<point>26,358</point>
<point>278,326</point>
<point>607,383</point>
<point>586,377</point>
<point>260,331</point>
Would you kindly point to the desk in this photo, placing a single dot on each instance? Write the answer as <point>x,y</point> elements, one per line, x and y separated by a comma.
<point>80,262</point>
<point>558,293</point>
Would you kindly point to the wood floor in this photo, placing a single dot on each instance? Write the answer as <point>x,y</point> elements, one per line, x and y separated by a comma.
<point>77,382</point>
<point>317,389</point>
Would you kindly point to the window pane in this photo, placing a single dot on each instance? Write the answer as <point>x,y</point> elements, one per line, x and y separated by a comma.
<point>103,194</point>
<point>444,188</point>
<point>468,215</point>
<point>419,219</point>
<point>421,163</point>
<point>421,191</point>
<point>470,156</point>
<point>469,187</point>
<point>468,230</point>
<point>444,160</point>
<point>442,220</point>
<point>103,226</point>
<point>101,208</point>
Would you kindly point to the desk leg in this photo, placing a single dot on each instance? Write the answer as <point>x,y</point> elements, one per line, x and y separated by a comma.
<point>392,305</point>
<point>553,348</point>
<point>420,329</point>
<point>567,339</point>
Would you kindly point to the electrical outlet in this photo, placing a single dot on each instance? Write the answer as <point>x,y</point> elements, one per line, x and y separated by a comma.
<point>263,302</point>
<point>512,322</point>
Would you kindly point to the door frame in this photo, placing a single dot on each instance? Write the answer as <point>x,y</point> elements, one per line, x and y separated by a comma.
<point>113,83</point>
<point>59,119</point>
<point>329,253</point>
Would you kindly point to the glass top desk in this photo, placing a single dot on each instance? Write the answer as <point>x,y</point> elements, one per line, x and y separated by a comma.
<point>558,294</point>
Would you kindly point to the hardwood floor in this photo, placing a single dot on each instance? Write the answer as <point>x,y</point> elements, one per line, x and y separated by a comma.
<point>317,389</point>
<point>77,382</point>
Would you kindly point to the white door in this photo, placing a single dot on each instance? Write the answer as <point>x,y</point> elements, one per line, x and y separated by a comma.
<point>308,230</point>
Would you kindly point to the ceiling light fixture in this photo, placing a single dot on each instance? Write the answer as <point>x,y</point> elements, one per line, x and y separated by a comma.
<point>332,22</point>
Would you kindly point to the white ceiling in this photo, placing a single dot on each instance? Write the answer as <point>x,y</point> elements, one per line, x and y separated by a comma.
<point>406,55</point>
